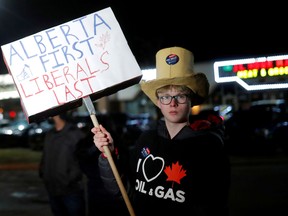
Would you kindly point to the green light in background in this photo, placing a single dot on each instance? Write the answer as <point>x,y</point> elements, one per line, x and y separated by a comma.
<point>227,68</point>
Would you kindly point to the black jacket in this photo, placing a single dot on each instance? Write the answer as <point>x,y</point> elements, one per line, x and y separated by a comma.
<point>59,167</point>
<point>186,175</point>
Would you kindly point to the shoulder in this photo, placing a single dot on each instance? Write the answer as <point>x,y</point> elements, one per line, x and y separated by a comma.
<point>209,122</point>
<point>212,127</point>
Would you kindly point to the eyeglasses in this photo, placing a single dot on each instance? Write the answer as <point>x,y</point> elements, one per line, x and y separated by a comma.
<point>180,99</point>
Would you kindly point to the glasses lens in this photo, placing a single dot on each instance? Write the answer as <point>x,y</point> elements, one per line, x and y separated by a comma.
<point>166,99</point>
<point>181,99</point>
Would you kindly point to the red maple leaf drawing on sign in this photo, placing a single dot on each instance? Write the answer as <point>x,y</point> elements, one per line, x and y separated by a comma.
<point>176,173</point>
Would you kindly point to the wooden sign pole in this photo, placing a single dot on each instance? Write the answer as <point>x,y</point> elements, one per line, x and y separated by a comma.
<point>92,112</point>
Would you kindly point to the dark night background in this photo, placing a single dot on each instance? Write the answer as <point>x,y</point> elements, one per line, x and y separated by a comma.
<point>213,31</point>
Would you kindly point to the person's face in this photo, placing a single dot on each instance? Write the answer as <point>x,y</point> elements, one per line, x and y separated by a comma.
<point>54,119</point>
<point>177,111</point>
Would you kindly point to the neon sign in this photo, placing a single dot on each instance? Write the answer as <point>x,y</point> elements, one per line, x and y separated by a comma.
<point>254,73</point>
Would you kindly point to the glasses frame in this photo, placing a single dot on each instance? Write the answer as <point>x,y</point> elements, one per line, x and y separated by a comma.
<point>175,97</point>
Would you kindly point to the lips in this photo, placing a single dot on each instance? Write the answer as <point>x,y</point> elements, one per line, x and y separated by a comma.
<point>173,112</point>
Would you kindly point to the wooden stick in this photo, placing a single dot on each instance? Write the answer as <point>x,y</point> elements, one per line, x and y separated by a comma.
<point>115,171</point>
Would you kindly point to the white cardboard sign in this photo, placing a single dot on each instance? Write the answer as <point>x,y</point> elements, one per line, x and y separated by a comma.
<point>60,65</point>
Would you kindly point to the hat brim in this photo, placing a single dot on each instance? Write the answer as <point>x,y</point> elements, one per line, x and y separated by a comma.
<point>198,83</point>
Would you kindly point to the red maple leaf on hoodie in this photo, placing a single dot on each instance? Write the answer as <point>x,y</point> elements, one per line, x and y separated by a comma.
<point>175,173</point>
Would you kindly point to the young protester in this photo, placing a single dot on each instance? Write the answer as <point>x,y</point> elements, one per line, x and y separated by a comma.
<point>179,168</point>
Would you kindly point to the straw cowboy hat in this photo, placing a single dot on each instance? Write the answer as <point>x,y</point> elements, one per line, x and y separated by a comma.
<point>174,66</point>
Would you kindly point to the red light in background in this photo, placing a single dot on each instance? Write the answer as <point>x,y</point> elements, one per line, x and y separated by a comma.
<point>12,114</point>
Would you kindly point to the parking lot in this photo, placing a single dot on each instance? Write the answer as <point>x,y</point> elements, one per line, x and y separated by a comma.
<point>22,193</point>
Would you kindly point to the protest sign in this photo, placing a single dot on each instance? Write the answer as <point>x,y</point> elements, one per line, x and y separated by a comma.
<point>55,68</point>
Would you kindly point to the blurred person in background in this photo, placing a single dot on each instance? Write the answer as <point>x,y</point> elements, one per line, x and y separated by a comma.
<point>181,167</point>
<point>60,169</point>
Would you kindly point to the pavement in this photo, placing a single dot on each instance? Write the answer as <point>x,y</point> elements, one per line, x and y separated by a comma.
<point>278,158</point>
<point>22,192</point>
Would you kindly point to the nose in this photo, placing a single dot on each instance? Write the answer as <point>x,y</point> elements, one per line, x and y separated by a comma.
<point>174,102</point>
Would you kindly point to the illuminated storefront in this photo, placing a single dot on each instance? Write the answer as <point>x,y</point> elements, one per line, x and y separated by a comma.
<point>245,80</point>
<point>254,73</point>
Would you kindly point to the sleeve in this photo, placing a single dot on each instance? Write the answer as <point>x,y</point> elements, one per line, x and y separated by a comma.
<point>123,161</point>
<point>107,176</point>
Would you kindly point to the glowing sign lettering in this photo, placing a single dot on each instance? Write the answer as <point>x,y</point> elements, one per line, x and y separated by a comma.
<point>254,73</point>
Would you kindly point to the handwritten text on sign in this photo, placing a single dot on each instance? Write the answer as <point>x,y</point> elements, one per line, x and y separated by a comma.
<point>70,61</point>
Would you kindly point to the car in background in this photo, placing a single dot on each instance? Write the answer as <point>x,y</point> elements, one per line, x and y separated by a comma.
<point>125,126</point>
<point>113,122</point>
<point>135,124</point>
<point>15,133</point>
<point>225,111</point>
<point>37,132</point>
<point>4,122</point>
<point>261,129</point>
<point>142,121</point>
